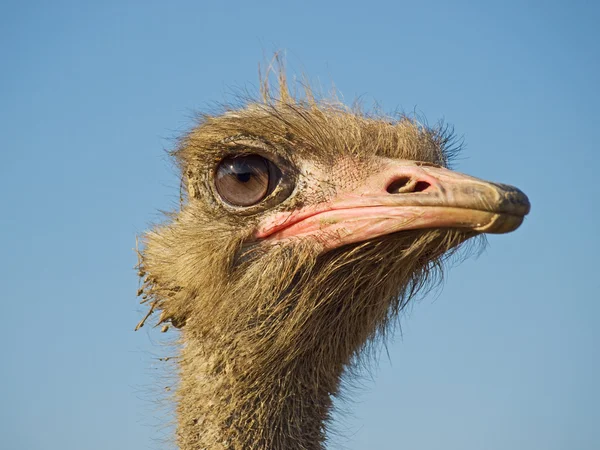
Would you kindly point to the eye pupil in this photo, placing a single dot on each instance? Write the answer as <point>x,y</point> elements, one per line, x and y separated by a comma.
<point>245,180</point>
<point>244,177</point>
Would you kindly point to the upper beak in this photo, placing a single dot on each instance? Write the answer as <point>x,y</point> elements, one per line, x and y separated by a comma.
<point>404,195</point>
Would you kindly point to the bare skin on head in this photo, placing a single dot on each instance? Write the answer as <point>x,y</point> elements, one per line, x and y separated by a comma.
<point>306,228</point>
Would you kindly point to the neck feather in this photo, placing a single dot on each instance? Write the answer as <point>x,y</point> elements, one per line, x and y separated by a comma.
<point>229,400</point>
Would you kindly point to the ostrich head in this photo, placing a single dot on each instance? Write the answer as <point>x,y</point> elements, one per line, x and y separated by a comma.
<point>305,227</point>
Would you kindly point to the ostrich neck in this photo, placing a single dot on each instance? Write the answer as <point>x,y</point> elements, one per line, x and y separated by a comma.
<point>229,401</point>
<point>263,377</point>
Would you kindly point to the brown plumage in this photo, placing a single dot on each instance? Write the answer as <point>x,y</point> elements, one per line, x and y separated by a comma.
<point>306,227</point>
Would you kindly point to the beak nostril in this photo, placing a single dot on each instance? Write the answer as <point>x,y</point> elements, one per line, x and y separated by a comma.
<point>400,186</point>
<point>407,185</point>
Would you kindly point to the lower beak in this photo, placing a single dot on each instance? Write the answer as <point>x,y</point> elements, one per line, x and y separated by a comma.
<point>404,195</point>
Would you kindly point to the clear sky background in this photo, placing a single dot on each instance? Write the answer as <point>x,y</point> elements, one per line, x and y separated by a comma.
<point>505,356</point>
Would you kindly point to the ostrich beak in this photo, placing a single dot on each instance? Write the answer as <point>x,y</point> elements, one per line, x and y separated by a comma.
<point>403,195</point>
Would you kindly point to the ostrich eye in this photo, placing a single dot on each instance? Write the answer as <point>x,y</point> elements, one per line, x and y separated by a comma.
<point>246,180</point>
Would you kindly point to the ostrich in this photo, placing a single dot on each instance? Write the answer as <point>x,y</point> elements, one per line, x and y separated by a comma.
<point>305,228</point>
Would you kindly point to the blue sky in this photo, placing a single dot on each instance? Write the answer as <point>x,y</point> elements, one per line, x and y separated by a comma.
<point>506,355</point>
